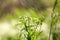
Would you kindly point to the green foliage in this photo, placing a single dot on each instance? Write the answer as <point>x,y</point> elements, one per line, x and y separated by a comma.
<point>29,25</point>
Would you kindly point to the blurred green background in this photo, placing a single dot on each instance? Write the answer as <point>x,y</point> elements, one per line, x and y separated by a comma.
<point>14,13</point>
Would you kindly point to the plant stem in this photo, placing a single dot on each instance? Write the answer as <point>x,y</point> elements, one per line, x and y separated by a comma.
<point>52,18</point>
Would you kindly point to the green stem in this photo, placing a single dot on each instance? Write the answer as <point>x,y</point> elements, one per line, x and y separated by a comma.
<point>52,17</point>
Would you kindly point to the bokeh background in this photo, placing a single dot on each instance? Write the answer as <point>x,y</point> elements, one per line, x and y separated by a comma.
<point>12,10</point>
